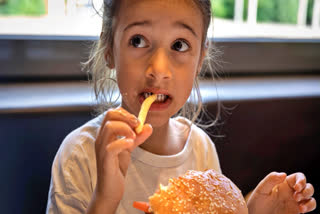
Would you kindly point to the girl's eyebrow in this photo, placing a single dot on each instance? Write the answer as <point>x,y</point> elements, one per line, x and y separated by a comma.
<point>184,25</point>
<point>137,24</point>
<point>180,24</point>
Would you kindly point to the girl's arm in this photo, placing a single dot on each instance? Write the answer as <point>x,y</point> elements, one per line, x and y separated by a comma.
<point>99,205</point>
<point>113,146</point>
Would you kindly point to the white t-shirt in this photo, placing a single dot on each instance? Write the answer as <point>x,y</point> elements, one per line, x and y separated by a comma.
<point>74,171</point>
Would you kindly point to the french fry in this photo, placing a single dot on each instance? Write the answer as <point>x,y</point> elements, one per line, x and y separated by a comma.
<point>143,206</point>
<point>144,111</point>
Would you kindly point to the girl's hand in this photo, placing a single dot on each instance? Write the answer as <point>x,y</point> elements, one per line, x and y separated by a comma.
<point>114,144</point>
<point>282,194</point>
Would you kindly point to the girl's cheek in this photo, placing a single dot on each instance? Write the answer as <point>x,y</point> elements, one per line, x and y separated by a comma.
<point>137,53</point>
<point>184,58</point>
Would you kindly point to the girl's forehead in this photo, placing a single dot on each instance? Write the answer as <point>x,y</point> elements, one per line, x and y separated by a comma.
<point>146,6</point>
<point>155,9</point>
<point>163,2</point>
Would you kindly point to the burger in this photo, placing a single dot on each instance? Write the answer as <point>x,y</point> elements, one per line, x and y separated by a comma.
<point>196,192</point>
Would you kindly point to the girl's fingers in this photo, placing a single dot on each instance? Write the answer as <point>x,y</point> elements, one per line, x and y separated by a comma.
<point>120,123</point>
<point>114,129</point>
<point>269,182</point>
<point>120,114</point>
<point>116,147</point>
<point>305,194</point>
<point>144,134</point>
<point>297,181</point>
<point>308,205</point>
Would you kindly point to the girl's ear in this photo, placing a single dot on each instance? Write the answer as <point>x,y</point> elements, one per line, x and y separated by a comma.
<point>203,56</point>
<point>108,57</point>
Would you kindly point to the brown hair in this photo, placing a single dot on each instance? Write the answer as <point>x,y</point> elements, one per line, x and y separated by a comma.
<point>104,81</point>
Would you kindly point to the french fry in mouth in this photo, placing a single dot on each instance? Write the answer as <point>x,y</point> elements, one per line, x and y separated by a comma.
<point>144,111</point>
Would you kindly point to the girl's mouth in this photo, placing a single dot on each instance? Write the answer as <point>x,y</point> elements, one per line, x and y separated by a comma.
<point>160,97</point>
<point>162,102</point>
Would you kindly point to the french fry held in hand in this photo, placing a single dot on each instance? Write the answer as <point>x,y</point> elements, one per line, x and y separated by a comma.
<point>144,111</point>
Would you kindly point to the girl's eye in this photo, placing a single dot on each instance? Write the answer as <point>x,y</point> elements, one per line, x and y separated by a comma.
<point>180,45</point>
<point>138,41</point>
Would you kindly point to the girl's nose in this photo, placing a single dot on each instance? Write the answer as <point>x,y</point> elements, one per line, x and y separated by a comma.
<point>159,68</point>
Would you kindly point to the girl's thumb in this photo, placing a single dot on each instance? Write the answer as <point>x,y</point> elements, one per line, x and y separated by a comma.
<point>270,181</point>
<point>144,134</point>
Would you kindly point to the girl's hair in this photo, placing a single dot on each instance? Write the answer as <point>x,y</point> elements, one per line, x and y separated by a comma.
<point>104,81</point>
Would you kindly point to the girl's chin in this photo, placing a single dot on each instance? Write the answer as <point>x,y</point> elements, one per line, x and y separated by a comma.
<point>158,122</point>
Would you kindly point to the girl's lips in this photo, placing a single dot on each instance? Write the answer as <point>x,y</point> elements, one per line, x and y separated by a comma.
<point>157,106</point>
<point>155,91</point>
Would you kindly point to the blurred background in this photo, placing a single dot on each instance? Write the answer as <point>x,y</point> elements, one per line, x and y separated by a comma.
<point>264,18</point>
<point>285,12</point>
<point>267,82</point>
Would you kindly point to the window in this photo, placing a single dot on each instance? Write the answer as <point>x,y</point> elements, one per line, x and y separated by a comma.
<point>49,18</point>
<point>286,19</point>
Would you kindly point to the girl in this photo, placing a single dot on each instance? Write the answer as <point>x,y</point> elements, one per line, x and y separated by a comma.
<point>152,46</point>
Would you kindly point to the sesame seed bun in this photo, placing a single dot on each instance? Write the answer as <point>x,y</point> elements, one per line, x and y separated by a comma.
<point>199,192</point>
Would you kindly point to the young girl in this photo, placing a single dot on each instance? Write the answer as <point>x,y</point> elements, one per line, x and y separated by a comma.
<point>151,46</point>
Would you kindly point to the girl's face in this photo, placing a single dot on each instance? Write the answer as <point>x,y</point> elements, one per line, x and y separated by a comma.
<point>157,48</point>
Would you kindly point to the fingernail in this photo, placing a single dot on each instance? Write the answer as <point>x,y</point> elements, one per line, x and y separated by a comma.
<point>134,119</point>
<point>129,141</point>
<point>297,187</point>
<point>281,174</point>
<point>134,135</point>
<point>303,209</point>
<point>299,198</point>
